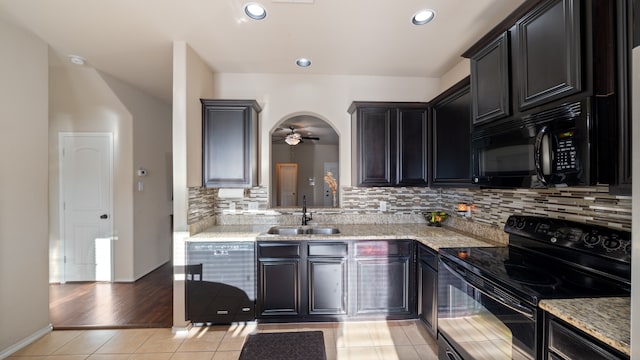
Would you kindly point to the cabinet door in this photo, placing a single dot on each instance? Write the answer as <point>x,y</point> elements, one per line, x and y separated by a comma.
<point>382,286</point>
<point>549,53</point>
<point>428,296</point>
<point>279,288</point>
<point>412,147</point>
<point>375,144</point>
<point>327,286</point>
<point>451,122</point>
<point>229,143</point>
<point>490,81</point>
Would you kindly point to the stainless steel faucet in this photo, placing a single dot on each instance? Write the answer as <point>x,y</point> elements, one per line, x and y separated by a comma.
<point>305,218</point>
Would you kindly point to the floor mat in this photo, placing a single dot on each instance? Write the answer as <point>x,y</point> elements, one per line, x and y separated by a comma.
<point>307,345</point>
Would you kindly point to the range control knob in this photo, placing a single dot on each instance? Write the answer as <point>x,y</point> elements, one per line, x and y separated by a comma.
<point>520,224</point>
<point>591,240</point>
<point>511,222</point>
<point>611,243</point>
<point>627,248</point>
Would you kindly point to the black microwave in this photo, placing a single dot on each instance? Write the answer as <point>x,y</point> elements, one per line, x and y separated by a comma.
<point>554,147</point>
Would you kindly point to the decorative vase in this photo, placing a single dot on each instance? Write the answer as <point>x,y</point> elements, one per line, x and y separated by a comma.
<point>335,200</point>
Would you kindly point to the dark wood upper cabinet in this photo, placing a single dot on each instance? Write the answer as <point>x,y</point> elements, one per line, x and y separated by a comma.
<point>490,76</point>
<point>389,144</point>
<point>634,18</point>
<point>628,31</point>
<point>548,52</point>
<point>451,129</point>
<point>373,132</point>
<point>413,145</point>
<point>230,143</point>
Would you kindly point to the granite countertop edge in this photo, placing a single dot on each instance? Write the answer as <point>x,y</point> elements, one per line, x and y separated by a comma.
<point>433,237</point>
<point>606,319</point>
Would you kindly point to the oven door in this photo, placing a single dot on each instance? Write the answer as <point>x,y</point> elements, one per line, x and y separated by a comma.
<point>480,321</point>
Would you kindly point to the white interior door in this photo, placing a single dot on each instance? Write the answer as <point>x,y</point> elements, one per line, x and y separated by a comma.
<point>86,177</point>
<point>287,177</point>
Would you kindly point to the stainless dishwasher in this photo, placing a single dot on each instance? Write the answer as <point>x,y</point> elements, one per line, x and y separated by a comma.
<point>220,282</point>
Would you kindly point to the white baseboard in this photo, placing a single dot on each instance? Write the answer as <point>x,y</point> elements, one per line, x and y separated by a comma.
<point>181,329</point>
<point>26,341</point>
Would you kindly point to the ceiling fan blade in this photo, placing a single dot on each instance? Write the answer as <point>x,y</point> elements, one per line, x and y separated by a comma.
<point>311,137</point>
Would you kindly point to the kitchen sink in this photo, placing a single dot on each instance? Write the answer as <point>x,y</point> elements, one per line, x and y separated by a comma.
<point>303,230</point>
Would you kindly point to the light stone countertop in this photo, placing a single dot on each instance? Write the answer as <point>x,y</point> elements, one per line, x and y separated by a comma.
<point>606,319</point>
<point>433,237</point>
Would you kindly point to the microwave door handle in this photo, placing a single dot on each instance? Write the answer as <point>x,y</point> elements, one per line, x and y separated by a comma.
<point>538,154</point>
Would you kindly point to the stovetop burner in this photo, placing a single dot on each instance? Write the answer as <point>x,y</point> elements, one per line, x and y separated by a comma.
<point>529,276</point>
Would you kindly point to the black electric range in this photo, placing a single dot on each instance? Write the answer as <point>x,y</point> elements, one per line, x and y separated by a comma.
<point>493,291</point>
<point>550,259</point>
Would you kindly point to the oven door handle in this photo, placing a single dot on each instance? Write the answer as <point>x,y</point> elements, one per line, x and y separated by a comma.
<point>515,307</point>
<point>526,312</point>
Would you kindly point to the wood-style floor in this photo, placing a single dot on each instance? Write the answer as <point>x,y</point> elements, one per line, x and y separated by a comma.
<point>146,303</point>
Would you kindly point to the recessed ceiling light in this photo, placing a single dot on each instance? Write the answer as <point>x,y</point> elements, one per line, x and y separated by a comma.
<point>423,16</point>
<point>303,62</point>
<point>255,11</point>
<point>76,60</point>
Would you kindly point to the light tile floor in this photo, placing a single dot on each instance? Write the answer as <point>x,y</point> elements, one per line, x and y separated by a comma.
<point>384,340</point>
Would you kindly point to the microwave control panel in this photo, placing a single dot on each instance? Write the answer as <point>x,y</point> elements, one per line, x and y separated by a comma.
<point>566,153</point>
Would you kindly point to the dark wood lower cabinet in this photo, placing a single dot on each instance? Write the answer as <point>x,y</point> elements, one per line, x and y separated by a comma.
<point>382,286</point>
<point>427,262</point>
<point>383,274</point>
<point>319,280</point>
<point>279,287</point>
<point>279,282</point>
<point>327,286</point>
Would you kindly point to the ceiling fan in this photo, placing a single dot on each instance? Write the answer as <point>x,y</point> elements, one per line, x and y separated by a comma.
<point>294,138</point>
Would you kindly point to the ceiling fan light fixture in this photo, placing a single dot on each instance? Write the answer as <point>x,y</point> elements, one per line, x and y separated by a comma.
<point>423,16</point>
<point>255,11</point>
<point>293,139</point>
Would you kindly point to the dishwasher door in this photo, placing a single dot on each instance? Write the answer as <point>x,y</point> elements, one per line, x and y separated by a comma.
<point>220,282</point>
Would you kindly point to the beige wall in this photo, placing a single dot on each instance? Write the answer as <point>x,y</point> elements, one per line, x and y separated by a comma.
<point>81,101</point>
<point>85,100</point>
<point>461,70</point>
<point>192,80</point>
<point>151,151</point>
<point>24,291</point>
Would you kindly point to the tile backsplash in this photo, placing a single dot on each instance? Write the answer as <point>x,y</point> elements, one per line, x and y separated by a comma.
<point>593,205</point>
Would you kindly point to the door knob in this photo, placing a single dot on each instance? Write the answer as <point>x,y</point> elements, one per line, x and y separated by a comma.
<point>104,216</point>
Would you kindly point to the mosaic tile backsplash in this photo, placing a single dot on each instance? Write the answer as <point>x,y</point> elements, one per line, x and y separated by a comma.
<point>593,205</point>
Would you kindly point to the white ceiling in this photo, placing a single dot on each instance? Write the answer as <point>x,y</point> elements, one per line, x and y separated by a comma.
<point>132,39</point>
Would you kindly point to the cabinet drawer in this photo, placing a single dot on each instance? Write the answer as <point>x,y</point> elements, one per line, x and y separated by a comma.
<point>572,345</point>
<point>278,250</point>
<point>328,249</point>
<point>383,248</point>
